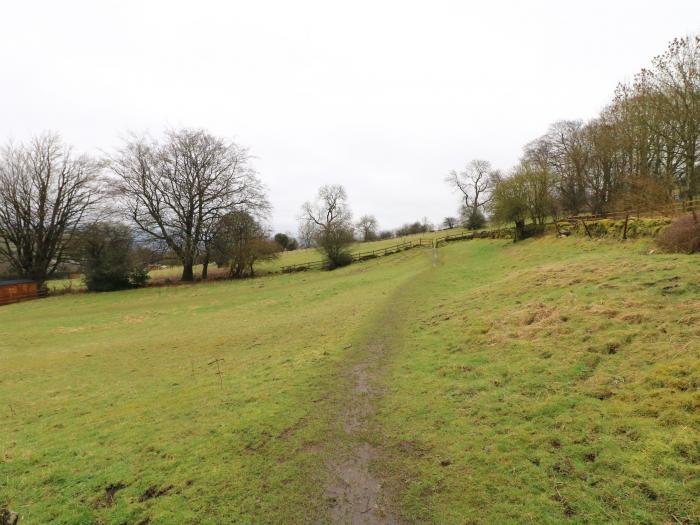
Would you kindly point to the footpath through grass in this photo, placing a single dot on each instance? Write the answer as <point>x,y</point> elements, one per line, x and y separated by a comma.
<point>191,404</point>
<point>556,380</point>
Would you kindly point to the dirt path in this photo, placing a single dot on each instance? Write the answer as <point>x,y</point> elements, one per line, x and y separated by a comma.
<point>357,496</point>
<point>355,492</point>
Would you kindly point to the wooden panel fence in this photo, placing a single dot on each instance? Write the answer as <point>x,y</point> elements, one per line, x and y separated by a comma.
<point>26,296</point>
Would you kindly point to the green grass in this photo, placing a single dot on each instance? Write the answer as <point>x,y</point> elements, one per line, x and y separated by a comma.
<point>560,379</point>
<point>107,389</point>
<point>548,381</point>
<point>306,255</point>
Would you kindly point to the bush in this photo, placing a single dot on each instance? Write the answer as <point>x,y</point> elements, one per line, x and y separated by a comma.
<point>109,261</point>
<point>339,260</point>
<point>683,235</point>
<point>475,220</point>
<point>286,242</point>
<point>138,276</point>
<point>335,243</point>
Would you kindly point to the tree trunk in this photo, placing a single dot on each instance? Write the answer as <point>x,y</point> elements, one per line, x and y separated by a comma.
<point>624,233</point>
<point>519,232</point>
<point>187,273</point>
<point>205,266</point>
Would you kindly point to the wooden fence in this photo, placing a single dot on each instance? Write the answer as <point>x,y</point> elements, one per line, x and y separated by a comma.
<point>360,256</point>
<point>667,210</point>
<point>380,252</point>
<point>23,297</point>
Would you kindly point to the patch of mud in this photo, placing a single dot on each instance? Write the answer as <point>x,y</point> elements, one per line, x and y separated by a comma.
<point>155,492</point>
<point>107,499</point>
<point>355,495</point>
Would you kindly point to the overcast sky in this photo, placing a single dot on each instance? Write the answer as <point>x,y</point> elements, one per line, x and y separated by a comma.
<point>383,97</point>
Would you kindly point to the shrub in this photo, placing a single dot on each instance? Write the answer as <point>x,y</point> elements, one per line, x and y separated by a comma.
<point>474,220</point>
<point>286,242</point>
<point>109,260</point>
<point>138,276</point>
<point>339,260</point>
<point>683,235</point>
<point>335,243</point>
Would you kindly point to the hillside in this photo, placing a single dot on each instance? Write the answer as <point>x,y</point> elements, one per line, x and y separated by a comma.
<point>287,258</point>
<point>547,381</point>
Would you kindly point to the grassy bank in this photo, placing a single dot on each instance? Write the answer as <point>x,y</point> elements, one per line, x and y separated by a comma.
<point>554,380</point>
<point>550,381</point>
<point>114,409</point>
<point>266,267</point>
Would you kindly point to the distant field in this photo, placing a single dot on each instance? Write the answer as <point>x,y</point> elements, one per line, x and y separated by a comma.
<point>285,258</point>
<point>550,381</point>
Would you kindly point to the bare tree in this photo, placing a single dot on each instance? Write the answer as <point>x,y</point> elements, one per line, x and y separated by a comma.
<point>675,81</point>
<point>177,191</point>
<point>475,183</point>
<point>330,220</point>
<point>45,194</point>
<point>240,242</point>
<point>367,227</point>
<point>527,193</point>
<point>306,233</point>
<point>450,222</point>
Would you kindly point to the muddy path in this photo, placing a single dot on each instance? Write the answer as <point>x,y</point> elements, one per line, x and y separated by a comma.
<point>356,494</point>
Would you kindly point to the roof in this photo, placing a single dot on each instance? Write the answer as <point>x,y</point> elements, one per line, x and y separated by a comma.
<point>15,281</point>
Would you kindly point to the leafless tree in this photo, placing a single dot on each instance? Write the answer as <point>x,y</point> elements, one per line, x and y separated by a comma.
<point>367,227</point>
<point>475,183</point>
<point>564,152</point>
<point>674,79</point>
<point>306,233</point>
<point>450,222</point>
<point>178,189</point>
<point>241,241</point>
<point>330,220</point>
<point>45,193</point>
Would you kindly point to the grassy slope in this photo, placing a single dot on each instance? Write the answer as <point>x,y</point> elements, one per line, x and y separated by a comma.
<point>560,379</point>
<point>103,389</point>
<point>285,258</point>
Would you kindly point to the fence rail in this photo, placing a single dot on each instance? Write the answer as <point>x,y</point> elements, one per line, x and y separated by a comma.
<point>669,210</point>
<point>666,210</point>
<point>360,256</point>
<point>407,245</point>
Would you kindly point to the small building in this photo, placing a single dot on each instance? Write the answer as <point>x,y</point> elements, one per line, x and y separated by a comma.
<point>16,290</point>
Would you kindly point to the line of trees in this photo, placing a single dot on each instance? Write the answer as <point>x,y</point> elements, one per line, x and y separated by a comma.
<point>190,193</point>
<point>641,152</point>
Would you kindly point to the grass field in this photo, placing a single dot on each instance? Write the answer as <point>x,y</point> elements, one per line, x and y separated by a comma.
<point>286,258</point>
<point>556,380</point>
